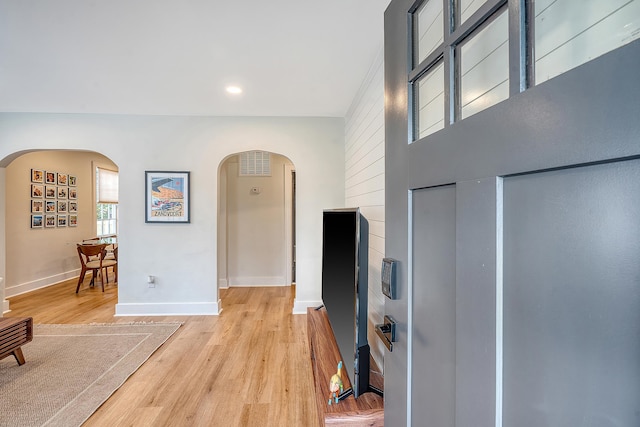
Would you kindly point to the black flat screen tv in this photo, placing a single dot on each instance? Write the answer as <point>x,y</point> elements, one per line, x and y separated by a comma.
<point>345,246</point>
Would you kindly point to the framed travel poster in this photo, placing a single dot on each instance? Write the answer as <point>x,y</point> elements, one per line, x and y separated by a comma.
<point>167,197</point>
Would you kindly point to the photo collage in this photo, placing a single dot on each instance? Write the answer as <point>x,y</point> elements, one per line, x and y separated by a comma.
<point>54,199</point>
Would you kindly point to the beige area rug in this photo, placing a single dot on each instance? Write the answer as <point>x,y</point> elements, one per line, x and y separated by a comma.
<point>72,369</point>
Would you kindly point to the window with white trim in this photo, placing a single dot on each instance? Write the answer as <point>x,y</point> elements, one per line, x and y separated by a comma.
<point>106,202</point>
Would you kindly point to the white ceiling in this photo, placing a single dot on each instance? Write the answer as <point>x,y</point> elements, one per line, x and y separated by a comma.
<point>175,57</point>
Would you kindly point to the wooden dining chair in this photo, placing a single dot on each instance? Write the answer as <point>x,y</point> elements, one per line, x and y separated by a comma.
<point>111,242</point>
<point>110,254</point>
<point>115,267</point>
<point>92,257</point>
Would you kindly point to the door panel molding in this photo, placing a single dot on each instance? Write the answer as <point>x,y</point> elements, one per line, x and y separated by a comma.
<point>572,298</point>
<point>433,306</point>
<point>478,300</point>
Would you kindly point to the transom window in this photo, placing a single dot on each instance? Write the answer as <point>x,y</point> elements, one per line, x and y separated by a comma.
<point>484,67</point>
<point>468,55</point>
<point>429,101</point>
<point>429,29</point>
<point>569,33</point>
<point>468,7</point>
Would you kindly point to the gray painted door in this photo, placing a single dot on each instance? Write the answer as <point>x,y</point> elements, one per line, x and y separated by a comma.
<point>518,235</point>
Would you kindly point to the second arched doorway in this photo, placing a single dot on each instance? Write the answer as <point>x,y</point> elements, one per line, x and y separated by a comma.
<point>256,220</point>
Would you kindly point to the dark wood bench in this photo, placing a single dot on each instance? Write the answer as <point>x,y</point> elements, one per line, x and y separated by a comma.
<point>368,409</point>
<point>14,333</point>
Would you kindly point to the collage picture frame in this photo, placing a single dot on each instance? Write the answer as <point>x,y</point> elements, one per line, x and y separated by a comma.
<point>54,199</point>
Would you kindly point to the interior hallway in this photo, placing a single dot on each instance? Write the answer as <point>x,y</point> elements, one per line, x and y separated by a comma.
<point>247,367</point>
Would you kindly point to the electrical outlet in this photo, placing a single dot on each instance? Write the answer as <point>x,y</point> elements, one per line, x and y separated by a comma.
<point>151,280</point>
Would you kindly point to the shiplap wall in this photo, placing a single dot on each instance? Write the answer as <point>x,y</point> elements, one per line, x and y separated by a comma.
<point>364,182</point>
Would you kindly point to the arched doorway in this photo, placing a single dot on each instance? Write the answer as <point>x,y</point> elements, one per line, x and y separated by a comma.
<point>256,215</point>
<point>49,200</point>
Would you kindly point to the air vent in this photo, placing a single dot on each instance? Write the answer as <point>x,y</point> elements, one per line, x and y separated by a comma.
<point>255,163</point>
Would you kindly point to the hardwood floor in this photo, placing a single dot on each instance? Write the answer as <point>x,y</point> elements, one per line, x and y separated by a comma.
<point>249,366</point>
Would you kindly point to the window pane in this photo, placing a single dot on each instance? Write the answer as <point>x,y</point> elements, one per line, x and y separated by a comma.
<point>107,219</point>
<point>429,32</point>
<point>429,102</point>
<point>569,33</point>
<point>467,7</point>
<point>484,67</point>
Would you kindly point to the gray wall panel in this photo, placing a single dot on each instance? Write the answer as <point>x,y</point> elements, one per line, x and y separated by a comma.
<point>433,352</point>
<point>572,297</point>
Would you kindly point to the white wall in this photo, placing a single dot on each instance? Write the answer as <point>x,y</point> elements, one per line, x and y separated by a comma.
<point>256,244</point>
<point>44,256</point>
<point>223,280</point>
<point>364,183</point>
<point>5,304</point>
<point>183,257</point>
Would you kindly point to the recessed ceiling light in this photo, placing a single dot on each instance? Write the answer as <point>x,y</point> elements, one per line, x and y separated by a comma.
<point>234,90</point>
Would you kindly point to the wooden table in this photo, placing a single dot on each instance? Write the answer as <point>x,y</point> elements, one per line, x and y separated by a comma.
<point>14,333</point>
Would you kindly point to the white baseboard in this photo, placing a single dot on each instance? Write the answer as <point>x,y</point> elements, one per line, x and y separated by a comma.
<point>257,281</point>
<point>169,309</point>
<point>223,284</point>
<point>40,283</point>
<point>300,307</point>
<point>5,303</point>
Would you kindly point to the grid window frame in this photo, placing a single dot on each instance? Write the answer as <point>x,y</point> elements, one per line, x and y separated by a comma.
<point>461,90</point>
<point>416,106</point>
<point>455,33</point>
<point>106,219</point>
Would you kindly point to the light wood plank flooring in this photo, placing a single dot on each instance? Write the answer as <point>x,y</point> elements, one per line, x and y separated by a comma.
<point>249,366</point>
